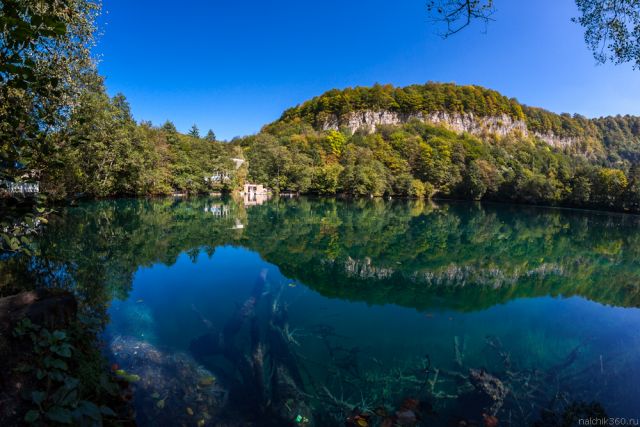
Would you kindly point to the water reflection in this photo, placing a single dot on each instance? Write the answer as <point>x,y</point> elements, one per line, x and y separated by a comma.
<point>357,311</point>
<point>459,256</point>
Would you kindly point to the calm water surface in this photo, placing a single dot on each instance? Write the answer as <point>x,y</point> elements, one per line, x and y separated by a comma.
<point>325,312</point>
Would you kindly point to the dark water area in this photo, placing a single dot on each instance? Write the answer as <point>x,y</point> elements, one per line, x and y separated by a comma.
<point>366,312</point>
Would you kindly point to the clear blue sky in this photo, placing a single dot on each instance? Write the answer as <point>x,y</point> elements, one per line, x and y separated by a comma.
<point>235,65</point>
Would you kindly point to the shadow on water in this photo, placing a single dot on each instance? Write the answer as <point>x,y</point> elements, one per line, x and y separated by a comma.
<point>431,345</point>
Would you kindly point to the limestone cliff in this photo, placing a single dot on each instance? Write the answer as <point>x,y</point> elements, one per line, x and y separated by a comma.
<point>503,125</point>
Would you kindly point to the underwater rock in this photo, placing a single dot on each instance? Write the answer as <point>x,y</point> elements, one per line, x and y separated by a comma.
<point>171,388</point>
<point>491,387</point>
<point>406,417</point>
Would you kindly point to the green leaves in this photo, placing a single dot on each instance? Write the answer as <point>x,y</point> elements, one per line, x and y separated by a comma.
<point>59,401</point>
<point>58,364</point>
<point>611,29</point>
<point>38,397</point>
<point>12,242</point>
<point>32,416</point>
<point>106,411</point>
<point>44,64</point>
<point>86,408</point>
<point>59,415</point>
<point>63,350</point>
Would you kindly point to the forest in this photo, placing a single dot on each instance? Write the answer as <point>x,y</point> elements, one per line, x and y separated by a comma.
<point>59,127</point>
<point>417,159</point>
<point>103,152</point>
<point>62,129</point>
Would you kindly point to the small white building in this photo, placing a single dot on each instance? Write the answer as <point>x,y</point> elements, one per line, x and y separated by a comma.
<point>218,177</point>
<point>218,209</point>
<point>20,187</point>
<point>254,189</point>
<point>254,194</point>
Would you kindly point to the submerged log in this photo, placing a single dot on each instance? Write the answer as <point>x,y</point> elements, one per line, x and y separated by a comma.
<point>252,355</point>
<point>43,307</point>
<point>491,387</point>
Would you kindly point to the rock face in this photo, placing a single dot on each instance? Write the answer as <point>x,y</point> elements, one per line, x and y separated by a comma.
<point>452,276</point>
<point>504,125</point>
<point>169,388</point>
<point>363,269</point>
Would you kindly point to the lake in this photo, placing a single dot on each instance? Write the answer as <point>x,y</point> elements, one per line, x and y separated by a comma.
<point>362,312</point>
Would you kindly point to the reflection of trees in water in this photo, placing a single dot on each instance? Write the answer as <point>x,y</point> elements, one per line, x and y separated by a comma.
<point>462,256</point>
<point>459,256</point>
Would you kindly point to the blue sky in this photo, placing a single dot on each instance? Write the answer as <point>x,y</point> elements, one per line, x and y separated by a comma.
<point>235,65</point>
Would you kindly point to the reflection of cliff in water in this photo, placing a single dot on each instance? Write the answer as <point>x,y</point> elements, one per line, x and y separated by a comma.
<point>459,256</point>
<point>462,256</point>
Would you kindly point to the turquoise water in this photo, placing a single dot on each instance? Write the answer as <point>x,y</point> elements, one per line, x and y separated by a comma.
<point>325,312</point>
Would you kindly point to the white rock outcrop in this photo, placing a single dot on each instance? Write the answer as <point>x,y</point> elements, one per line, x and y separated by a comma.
<point>503,125</point>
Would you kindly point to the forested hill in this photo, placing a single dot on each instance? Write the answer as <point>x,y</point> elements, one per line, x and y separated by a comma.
<point>443,140</point>
<point>472,109</point>
<point>436,140</point>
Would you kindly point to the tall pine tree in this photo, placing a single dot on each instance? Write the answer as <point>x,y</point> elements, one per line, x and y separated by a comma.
<point>194,131</point>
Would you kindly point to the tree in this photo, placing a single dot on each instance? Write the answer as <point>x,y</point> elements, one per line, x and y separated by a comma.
<point>99,153</point>
<point>406,186</point>
<point>336,142</point>
<point>611,29</point>
<point>326,178</point>
<point>632,192</point>
<point>44,57</point>
<point>609,186</point>
<point>211,136</point>
<point>458,14</point>
<point>362,174</point>
<point>194,131</point>
<point>580,189</point>
<point>611,26</point>
<point>169,127</point>
<point>473,183</point>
